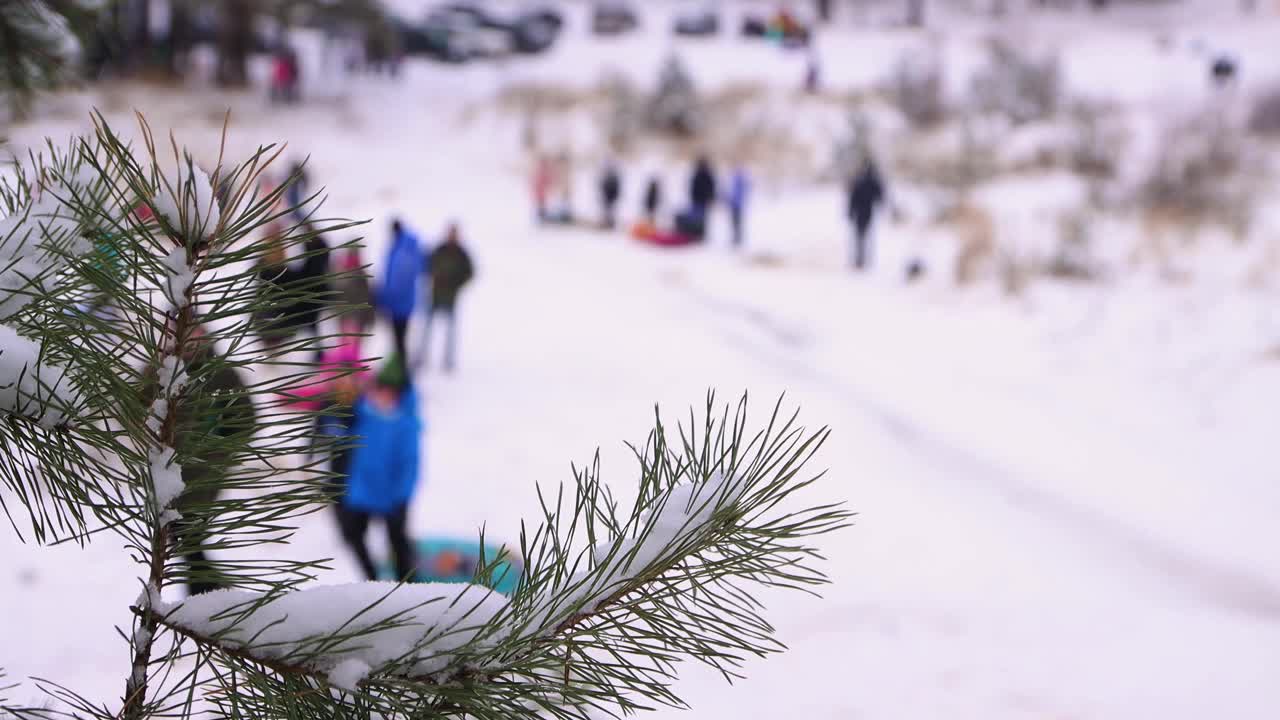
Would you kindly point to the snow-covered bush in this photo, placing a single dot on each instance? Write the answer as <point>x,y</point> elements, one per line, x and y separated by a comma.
<point>1073,257</point>
<point>957,156</point>
<point>1017,84</point>
<point>124,425</point>
<point>975,241</point>
<point>624,112</point>
<point>1098,142</point>
<point>1204,173</point>
<point>917,89</point>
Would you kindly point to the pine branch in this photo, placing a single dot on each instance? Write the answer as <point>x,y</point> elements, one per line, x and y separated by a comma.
<point>657,587</point>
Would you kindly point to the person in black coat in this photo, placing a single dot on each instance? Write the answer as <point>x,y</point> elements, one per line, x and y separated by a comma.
<point>311,280</point>
<point>702,192</point>
<point>702,186</point>
<point>652,199</point>
<point>451,269</point>
<point>610,190</point>
<point>866,192</point>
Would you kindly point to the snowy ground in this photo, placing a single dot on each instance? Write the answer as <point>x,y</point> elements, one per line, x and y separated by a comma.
<point>1066,501</point>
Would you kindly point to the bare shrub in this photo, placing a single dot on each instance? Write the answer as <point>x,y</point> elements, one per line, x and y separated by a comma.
<point>917,89</point>
<point>1015,269</point>
<point>975,238</point>
<point>623,109</point>
<point>1097,141</point>
<point>1264,118</point>
<point>957,157</point>
<point>1203,175</point>
<point>1016,84</point>
<point>1072,258</point>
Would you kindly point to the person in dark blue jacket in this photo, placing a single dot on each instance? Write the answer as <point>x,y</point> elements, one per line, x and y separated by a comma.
<point>397,296</point>
<point>736,199</point>
<point>382,470</point>
<point>865,193</point>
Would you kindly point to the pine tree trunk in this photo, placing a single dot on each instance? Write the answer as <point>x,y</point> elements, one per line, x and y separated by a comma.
<point>234,41</point>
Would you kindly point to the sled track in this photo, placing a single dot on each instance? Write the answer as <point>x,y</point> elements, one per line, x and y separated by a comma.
<point>1207,580</point>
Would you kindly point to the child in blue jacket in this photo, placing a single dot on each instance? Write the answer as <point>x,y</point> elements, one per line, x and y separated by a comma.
<point>383,468</point>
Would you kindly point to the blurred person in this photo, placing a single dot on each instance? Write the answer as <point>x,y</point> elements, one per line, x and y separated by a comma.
<point>309,279</point>
<point>338,362</point>
<point>227,412</point>
<point>813,75</point>
<point>451,269</point>
<point>297,191</point>
<point>351,287</point>
<point>702,185</point>
<point>702,193</point>
<point>397,296</point>
<point>293,87</point>
<point>285,74</point>
<point>279,76</point>
<point>541,186</point>
<point>736,200</point>
<point>653,199</point>
<point>382,469</point>
<point>271,320</point>
<point>610,191</point>
<point>865,193</point>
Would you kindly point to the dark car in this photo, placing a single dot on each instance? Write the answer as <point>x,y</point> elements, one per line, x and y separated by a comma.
<point>701,23</point>
<point>463,32</point>
<point>530,31</point>
<point>611,17</point>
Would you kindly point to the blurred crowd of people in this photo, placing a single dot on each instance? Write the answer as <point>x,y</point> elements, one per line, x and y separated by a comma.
<point>368,421</point>
<point>687,223</point>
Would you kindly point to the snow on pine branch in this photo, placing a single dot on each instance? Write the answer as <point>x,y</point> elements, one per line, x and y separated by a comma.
<point>347,632</point>
<point>166,473</point>
<point>681,514</point>
<point>344,632</point>
<point>179,276</point>
<point>38,236</point>
<point>186,201</point>
<point>40,391</point>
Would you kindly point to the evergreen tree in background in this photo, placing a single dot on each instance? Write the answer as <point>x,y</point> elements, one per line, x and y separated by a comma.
<point>36,37</point>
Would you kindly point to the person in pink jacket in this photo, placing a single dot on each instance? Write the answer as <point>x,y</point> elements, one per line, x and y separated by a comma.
<point>331,390</point>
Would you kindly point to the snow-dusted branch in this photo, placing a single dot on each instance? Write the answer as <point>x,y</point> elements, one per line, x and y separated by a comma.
<point>29,388</point>
<point>40,235</point>
<point>589,624</point>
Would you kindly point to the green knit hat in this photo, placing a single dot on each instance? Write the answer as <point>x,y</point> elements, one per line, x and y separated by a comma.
<point>392,373</point>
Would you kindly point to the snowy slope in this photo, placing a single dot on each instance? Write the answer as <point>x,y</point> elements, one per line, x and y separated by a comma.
<point>1066,500</point>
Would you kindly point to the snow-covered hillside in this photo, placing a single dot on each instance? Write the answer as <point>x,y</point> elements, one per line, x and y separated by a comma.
<point>1066,498</point>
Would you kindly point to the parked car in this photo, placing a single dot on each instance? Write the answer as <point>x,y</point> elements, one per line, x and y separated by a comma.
<point>461,32</point>
<point>612,17</point>
<point>699,23</point>
<point>530,31</point>
<point>547,14</point>
<point>534,30</point>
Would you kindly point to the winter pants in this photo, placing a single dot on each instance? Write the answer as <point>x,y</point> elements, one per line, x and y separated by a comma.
<point>400,330</point>
<point>355,524</point>
<point>450,337</point>
<point>193,535</point>
<point>861,241</point>
<point>735,218</point>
